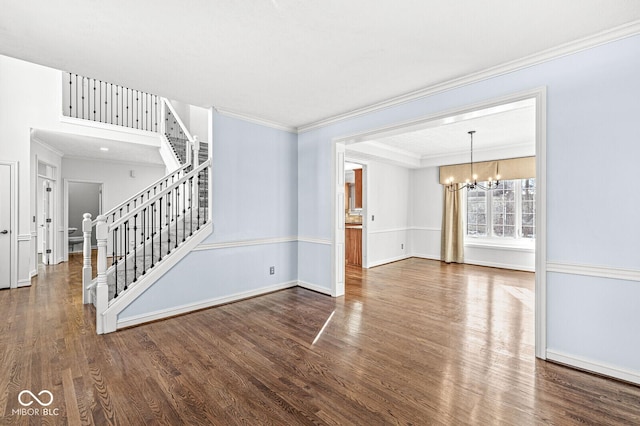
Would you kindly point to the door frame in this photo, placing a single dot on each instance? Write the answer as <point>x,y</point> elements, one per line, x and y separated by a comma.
<point>338,145</point>
<point>13,222</point>
<point>365,198</point>
<point>65,207</point>
<point>55,211</point>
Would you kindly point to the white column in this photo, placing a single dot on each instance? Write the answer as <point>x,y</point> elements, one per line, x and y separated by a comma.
<point>86,263</point>
<point>102,289</point>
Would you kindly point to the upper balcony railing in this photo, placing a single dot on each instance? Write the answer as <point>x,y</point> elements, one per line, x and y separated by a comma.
<point>96,100</point>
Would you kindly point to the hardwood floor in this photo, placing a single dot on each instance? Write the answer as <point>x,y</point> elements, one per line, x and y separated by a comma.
<point>413,342</point>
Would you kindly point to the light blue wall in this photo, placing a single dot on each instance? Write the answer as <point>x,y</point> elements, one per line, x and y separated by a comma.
<point>255,197</point>
<point>593,109</point>
<point>255,181</point>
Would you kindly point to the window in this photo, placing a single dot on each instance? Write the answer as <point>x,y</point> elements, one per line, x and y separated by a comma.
<point>509,211</point>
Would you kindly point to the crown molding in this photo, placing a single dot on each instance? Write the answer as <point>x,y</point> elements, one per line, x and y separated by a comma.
<point>256,120</point>
<point>47,146</point>
<point>607,36</point>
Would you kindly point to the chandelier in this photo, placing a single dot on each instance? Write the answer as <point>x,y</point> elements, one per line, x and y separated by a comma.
<point>470,185</point>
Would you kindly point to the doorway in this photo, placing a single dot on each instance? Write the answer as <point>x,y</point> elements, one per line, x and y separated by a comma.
<point>46,197</point>
<point>355,250</point>
<point>81,197</point>
<point>340,144</point>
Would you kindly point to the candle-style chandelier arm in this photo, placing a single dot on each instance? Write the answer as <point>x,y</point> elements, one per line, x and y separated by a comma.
<point>492,184</point>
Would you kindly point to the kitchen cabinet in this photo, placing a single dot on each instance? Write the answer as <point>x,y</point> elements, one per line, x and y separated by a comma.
<point>358,191</point>
<point>353,245</point>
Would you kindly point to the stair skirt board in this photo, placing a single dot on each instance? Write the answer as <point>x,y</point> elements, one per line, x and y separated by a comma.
<point>183,309</point>
<point>107,322</point>
<point>147,254</point>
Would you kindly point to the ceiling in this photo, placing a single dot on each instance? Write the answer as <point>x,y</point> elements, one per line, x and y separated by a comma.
<point>80,146</point>
<point>503,131</point>
<point>295,62</point>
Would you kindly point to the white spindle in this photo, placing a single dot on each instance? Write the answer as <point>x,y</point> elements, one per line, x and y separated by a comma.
<point>86,263</point>
<point>102,289</point>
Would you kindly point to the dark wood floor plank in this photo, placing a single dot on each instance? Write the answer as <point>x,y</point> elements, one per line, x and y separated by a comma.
<point>413,342</point>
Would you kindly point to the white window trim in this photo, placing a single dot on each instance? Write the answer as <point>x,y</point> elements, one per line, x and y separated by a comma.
<point>517,243</point>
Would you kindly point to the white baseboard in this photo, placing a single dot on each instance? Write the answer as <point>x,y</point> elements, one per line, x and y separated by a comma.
<point>190,307</point>
<point>594,366</point>
<point>389,260</point>
<point>427,256</point>
<point>500,265</point>
<point>33,273</point>
<point>314,287</point>
<point>24,283</point>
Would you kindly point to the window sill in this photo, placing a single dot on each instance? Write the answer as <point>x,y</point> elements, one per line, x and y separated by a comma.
<point>493,244</point>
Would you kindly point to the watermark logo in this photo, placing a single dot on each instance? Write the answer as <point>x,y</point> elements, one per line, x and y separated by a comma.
<point>28,392</point>
<point>44,398</point>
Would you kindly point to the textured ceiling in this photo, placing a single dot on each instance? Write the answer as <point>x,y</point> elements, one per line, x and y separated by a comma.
<point>289,61</point>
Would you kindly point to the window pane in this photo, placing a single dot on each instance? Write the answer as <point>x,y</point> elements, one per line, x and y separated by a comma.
<point>476,212</point>
<point>504,208</point>
<point>528,208</point>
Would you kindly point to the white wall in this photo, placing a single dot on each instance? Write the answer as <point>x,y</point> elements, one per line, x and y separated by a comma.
<point>31,98</point>
<point>199,123</point>
<point>425,213</point>
<point>118,185</point>
<point>387,200</point>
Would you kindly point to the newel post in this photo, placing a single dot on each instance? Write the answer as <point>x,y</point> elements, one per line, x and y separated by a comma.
<point>86,261</point>
<point>102,289</point>
<point>196,163</point>
<point>196,150</point>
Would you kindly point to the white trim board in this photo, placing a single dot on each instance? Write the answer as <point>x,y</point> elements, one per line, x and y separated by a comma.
<point>594,271</point>
<point>324,241</point>
<point>509,266</point>
<point>256,120</point>
<point>315,287</point>
<point>506,247</point>
<point>244,243</point>
<point>386,231</point>
<point>106,126</point>
<point>190,307</point>
<point>594,366</point>
<point>623,31</point>
<point>389,260</point>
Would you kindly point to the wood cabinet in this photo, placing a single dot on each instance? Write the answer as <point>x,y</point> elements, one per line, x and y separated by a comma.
<point>353,245</point>
<point>358,191</point>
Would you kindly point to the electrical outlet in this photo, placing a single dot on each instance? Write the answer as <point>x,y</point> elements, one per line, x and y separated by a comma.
<point>373,218</point>
<point>401,246</point>
<point>272,270</point>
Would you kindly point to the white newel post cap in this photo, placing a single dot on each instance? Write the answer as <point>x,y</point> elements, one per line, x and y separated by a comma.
<point>86,222</point>
<point>101,228</point>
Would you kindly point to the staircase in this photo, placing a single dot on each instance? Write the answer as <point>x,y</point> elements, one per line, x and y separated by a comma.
<point>145,236</point>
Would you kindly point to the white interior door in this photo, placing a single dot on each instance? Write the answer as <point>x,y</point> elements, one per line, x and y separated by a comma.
<point>5,226</point>
<point>47,223</point>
